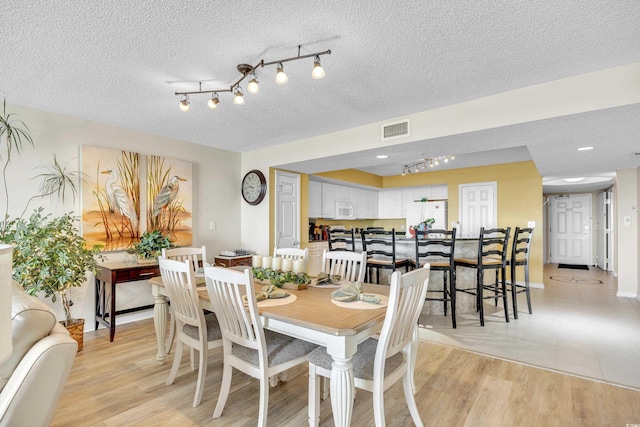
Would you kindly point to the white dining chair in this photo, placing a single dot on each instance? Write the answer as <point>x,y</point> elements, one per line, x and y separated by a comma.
<point>197,256</point>
<point>293,253</point>
<point>380,363</point>
<point>351,266</point>
<point>199,331</point>
<point>248,347</point>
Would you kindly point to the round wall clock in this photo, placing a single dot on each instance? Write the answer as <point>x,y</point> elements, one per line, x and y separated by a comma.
<point>254,187</point>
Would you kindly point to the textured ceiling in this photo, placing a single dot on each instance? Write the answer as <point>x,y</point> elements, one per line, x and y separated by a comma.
<point>120,62</point>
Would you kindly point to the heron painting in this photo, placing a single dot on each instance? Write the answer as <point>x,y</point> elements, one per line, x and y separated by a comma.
<point>115,211</point>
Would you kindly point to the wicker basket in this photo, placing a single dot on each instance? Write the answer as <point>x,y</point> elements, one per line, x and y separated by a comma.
<point>76,331</point>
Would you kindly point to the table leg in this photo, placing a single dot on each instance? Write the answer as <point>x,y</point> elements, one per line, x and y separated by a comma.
<point>160,312</point>
<point>341,386</point>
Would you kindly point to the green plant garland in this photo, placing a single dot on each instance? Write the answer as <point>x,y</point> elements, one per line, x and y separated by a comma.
<point>279,278</point>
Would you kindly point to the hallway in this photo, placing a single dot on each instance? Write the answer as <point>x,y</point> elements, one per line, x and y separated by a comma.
<point>578,326</point>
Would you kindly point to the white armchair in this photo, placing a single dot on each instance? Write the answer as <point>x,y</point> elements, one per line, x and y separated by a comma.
<point>32,379</point>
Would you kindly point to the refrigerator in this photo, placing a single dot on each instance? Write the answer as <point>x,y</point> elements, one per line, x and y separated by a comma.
<point>416,212</point>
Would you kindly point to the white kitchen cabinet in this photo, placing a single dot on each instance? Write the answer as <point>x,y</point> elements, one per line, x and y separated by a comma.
<point>370,203</point>
<point>315,199</point>
<point>391,203</point>
<point>328,199</point>
<point>314,264</point>
<point>439,192</point>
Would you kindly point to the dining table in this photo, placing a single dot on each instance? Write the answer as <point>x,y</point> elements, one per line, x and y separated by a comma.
<point>313,316</point>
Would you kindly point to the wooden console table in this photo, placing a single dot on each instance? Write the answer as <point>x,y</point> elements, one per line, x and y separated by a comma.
<point>108,275</point>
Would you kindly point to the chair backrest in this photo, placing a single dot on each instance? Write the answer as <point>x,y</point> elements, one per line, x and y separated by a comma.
<point>293,253</point>
<point>406,298</point>
<point>342,240</point>
<point>179,280</point>
<point>231,293</point>
<point>380,243</point>
<point>196,256</point>
<point>435,245</point>
<point>492,243</point>
<point>521,244</point>
<point>351,266</point>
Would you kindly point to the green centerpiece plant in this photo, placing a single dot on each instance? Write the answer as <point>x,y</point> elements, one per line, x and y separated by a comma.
<point>151,244</point>
<point>279,278</point>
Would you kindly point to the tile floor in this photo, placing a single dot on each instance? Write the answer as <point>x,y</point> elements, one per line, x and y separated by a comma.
<point>578,326</point>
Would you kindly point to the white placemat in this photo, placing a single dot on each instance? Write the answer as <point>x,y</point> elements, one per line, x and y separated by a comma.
<point>314,284</point>
<point>277,301</point>
<point>362,305</point>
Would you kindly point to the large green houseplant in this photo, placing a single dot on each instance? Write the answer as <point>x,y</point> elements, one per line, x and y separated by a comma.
<point>50,256</point>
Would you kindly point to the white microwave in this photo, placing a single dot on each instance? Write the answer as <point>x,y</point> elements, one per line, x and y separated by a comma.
<point>344,210</point>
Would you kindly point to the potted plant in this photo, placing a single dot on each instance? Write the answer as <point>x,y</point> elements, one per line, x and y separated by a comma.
<point>150,246</point>
<point>51,257</point>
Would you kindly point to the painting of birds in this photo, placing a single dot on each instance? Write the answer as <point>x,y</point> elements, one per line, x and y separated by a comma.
<point>167,195</point>
<point>118,198</point>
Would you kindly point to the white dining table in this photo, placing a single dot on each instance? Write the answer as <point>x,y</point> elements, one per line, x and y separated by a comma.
<point>311,317</point>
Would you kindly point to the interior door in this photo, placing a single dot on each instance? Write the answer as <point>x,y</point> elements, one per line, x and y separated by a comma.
<point>287,210</point>
<point>570,229</point>
<point>477,208</point>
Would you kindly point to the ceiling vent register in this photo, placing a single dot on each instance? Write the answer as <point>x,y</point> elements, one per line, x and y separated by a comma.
<point>395,130</point>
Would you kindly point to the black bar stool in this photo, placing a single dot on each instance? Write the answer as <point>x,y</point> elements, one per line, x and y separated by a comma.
<point>437,248</point>
<point>380,246</point>
<point>520,258</point>
<point>341,240</point>
<point>492,255</point>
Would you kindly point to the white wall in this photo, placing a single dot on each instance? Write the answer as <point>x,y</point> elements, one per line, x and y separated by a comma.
<point>627,252</point>
<point>216,189</point>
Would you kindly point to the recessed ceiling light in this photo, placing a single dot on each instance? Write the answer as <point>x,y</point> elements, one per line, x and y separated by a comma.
<point>585,148</point>
<point>577,179</point>
<point>382,156</point>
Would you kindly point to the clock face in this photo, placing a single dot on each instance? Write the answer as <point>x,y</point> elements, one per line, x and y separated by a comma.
<point>254,187</point>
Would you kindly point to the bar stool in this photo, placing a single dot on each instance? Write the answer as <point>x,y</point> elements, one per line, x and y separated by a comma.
<point>380,245</point>
<point>492,255</point>
<point>437,247</point>
<point>520,257</point>
<point>341,240</point>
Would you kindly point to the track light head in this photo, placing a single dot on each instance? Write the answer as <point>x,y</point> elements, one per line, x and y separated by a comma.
<point>184,103</point>
<point>317,72</point>
<point>214,101</point>
<point>239,96</point>
<point>253,86</point>
<point>281,77</point>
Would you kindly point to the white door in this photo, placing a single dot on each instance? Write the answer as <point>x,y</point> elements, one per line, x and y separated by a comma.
<point>477,208</point>
<point>287,210</point>
<point>570,229</point>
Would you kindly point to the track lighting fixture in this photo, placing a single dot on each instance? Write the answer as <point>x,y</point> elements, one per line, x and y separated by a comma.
<point>239,96</point>
<point>422,164</point>
<point>184,103</point>
<point>253,87</point>
<point>317,72</point>
<point>214,101</point>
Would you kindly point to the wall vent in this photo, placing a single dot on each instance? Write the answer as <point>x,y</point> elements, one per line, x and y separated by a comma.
<point>395,130</point>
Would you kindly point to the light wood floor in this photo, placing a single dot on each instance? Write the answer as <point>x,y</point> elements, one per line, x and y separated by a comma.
<point>120,384</point>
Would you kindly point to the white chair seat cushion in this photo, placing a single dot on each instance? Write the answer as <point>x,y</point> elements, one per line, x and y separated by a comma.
<point>362,361</point>
<point>213,328</point>
<point>280,349</point>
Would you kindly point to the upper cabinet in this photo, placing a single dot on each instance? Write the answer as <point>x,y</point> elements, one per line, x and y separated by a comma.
<point>367,203</point>
<point>315,199</point>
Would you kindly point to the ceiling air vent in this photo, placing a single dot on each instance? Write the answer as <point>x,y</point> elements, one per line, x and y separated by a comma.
<point>395,130</point>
